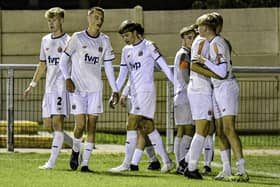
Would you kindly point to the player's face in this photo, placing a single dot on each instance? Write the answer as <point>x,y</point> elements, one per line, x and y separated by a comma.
<point>202,29</point>
<point>130,37</point>
<point>55,24</point>
<point>188,39</point>
<point>95,20</point>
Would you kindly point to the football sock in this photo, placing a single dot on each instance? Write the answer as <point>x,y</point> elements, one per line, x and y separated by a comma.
<point>158,145</point>
<point>56,147</point>
<point>208,150</point>
<point>88,147</point>
<point>130,144</point>
<point>185,146</point>
<point>226,161</point>
<point>195,151</point>
<point>151,153</point>
<point>77,144</point>
<point>137,157</point>
<point>240,164</point>
<point>177,147</point>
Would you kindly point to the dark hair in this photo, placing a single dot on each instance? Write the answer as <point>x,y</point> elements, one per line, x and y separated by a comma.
<point>130,26</point>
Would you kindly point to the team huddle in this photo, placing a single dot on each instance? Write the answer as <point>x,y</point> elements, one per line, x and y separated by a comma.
<point>206,94</point>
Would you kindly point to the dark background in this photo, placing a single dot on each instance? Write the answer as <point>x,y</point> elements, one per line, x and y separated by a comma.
<point>147,5</point>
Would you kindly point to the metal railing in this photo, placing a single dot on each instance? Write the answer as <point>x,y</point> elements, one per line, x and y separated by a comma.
<point>259,110</point>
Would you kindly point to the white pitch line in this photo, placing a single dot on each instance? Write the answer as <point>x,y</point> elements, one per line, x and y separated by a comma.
<point>259,173</point>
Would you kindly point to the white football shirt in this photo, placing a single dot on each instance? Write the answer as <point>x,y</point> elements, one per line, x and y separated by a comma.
<point>179,81</point>
<point>219,53</point>
<point>50,52</point>
<point>87,55</point>
<point>140,62</point>
<point>199,83</point>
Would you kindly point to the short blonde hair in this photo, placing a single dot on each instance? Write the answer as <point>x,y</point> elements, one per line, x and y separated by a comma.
<point>55,11</point>
<point>96,8</point>
<point>209,20</point>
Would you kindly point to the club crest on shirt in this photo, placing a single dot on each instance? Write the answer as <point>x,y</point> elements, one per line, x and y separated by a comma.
<point>47,49</point>
<point>100,49</point>
<point>84,46</point>
<point>73,107</point>
<point>140,53</point>
<point>59,49</point>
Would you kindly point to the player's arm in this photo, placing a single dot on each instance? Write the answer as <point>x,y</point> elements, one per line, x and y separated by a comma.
<point>125,92</point>
<point>109,70</point>
<point>40,70</point>
<point>164,67</point>
<point>156,55</point>
<point>63,66</point>
<point>182,70</point>
<point>198,68</point>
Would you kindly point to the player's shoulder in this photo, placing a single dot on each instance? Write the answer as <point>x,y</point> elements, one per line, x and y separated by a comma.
<point>219,40</point>
<point>47,36</point>
<point>127,48</point>
<point>104,36</point>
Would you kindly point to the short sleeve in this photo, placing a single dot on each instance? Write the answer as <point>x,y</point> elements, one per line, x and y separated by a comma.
<point>109,54</point>
<point>71,45</point>
<point>42,52</point>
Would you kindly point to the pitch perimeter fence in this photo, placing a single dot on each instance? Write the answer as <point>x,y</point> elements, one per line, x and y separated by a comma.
<point>21,123</point>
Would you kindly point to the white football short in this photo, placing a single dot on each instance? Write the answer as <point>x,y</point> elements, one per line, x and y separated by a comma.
<point>182,109</point>
<point>143,104</point>
<point>55,103</point>
<point>201,106</point>
<point>227,98</point>
<point>86,103</point>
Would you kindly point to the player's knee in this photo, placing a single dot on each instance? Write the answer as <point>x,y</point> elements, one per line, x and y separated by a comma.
<point>148,125</point>
<point>189,130</point>
<point>180,131</point>
<point>48,125</point>
<point>132,122</point>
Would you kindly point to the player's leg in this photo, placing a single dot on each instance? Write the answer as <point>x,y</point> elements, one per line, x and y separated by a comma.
<point>57,139</point>
<point>79,110</point>
<point>89,142</point>
<point>154,162</point>
<point>155,138</point>
<point>229,92</point>
<point>184,148</point>
<point>224,151</point>
<point>235,143</point>
<point>139,149</point>
<point>201,108</point>
<point>177,143</point>
<point>223,142</point>
<point>56,106</point>
<point>130,143</point>
<point>208,149</point>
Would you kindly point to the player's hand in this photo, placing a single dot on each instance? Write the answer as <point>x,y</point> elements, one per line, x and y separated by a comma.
<point>123,101</point>
<point>199,59</point>
<point>27,91</point>
<point>70,86</point>
<point>114,99</point>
